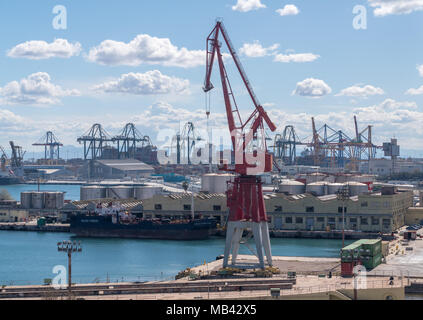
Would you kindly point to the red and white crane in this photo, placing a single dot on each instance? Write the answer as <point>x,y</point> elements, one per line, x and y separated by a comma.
<point>245,194</point>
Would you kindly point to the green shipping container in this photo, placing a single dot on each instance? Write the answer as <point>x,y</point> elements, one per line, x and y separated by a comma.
<point>371,262</point>
<point>371,247</point>
<point>351,252</point>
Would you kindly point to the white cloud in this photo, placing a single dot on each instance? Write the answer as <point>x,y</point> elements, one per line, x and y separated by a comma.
<point>420,69</point>
<point>248,5</point>
<point>255,50</point>
<point>313,88</point>
<point>37,50</point>
<point>357,91</point>
<point>151,82</point>
<point>296,57</point>
<point>389,7</point>
<point>36,89</point>
<point>288,10</point>
<point>415,92</point>
<point>144,49</point>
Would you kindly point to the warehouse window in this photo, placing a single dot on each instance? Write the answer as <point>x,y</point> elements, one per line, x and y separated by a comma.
<point>288,220</point>
<point>158,207</point>
<point>375,221</point>
<point>320,219</point>
<point>187,207</point>
<point>364,221</point>
<point>310,209</point>
<point>331,220</point>
<point>217,208</point>
<point>387,222</point>
<point>299,220</point>
<point>278,209</point>
<point>364,204</point>
<point>340,209</point>
<point>353,220</point>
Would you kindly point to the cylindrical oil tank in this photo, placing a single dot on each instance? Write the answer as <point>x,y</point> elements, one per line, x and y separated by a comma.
<point>60,200</point>
<point>50,200</point>
<point>357,188</point>
<point>206,182</point>
<point>317,188</point>
<point>26,200</point>
<point>120,192</point>
<point>146,192</point>
<point>37,200</point>
<point>334,188</point>
<point>93,192</point>
<point>291,187</point>
<point>216,183</point>
<point>54,200</point>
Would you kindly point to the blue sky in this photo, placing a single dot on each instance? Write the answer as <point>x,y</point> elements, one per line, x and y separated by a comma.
<point>68,86</point>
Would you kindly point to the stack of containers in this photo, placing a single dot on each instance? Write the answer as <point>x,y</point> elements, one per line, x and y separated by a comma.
<point>350,258</point>
<point>371,253</point>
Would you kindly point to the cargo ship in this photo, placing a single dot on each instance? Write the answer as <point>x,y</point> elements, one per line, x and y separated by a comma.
<point>9,179</point>
<point>112,226</point>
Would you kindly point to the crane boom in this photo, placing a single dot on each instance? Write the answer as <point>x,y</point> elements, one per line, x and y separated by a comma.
<point>240,139</point>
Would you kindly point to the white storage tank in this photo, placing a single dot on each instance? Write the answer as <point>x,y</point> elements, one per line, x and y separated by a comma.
<point>291,187</point>
<point>54,200</point>
<point>146,192</point>
<point>37,200</point>
<point>357,188</point>
<point>318,188</point>
<point>216,183</point>
<point>50,200</point>
<point>60,200</point>
<point>93,193</point>
<point>26,200</point>
<point>120,192</point>
<point>334,188</point>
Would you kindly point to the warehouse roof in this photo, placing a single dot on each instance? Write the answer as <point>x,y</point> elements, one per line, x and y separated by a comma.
<point>91,204</point>
<point>127,165</point>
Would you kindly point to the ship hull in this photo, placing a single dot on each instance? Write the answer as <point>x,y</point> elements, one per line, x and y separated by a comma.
<point>102,227</point>
<point>9,181</point>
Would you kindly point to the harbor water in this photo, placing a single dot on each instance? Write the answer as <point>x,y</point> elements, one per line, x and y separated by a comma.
<point>27,258</point>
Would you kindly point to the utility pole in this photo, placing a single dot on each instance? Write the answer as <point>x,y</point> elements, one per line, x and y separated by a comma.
<point>69,248</point>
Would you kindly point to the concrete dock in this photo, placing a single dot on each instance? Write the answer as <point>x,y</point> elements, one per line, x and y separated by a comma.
<point>33,227</point>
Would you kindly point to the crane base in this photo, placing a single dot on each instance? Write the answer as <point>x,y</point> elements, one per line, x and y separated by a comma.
<point>234,232</point>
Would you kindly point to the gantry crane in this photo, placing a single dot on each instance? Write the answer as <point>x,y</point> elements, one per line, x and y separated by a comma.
<point>245,194</point>
<point>51,146</point>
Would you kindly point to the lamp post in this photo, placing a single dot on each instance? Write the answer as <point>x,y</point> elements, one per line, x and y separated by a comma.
<point>69,248</point>
<point>343,195</point>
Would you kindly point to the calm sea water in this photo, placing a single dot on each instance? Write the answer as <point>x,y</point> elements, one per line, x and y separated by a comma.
<point>72,191</point>
<point>29,257</point>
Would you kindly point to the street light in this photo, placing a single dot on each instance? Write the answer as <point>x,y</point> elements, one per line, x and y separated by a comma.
<point>343,195</point>
<point>69,248</point>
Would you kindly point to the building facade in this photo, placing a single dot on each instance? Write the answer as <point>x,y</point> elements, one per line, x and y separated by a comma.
<point>377,212</point>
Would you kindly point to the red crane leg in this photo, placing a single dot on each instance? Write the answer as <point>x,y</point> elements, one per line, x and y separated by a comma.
<point>245,200</point>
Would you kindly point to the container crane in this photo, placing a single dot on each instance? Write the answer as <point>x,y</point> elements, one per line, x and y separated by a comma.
<point>245,194</point>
